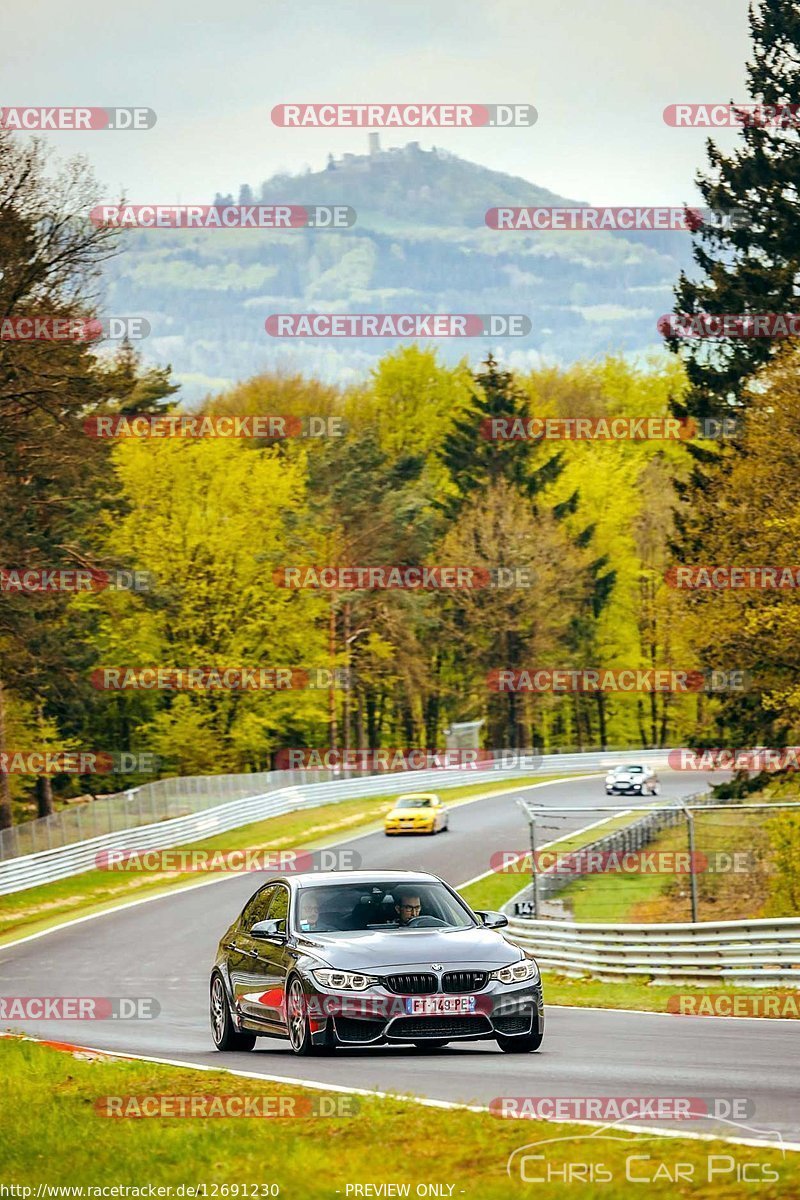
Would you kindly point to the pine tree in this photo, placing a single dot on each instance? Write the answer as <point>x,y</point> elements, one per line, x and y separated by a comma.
<point>476,461</point>
<point>749,264</point>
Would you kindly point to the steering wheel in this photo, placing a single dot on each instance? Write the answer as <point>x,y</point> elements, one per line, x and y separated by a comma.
<point>425,923</point>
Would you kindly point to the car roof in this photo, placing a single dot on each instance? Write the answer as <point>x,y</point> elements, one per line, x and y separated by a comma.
<point>310,878</point>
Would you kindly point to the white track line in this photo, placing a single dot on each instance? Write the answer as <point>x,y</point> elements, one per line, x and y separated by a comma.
<point>426,1102</point>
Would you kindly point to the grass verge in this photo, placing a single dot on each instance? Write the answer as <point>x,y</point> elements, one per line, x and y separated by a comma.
<point>497,889</point>
<point>53,1135</point>
<point>655,997</point>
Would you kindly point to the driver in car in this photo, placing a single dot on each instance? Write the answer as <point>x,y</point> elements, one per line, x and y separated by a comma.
<point>310,921</point>
<point>408,906</point>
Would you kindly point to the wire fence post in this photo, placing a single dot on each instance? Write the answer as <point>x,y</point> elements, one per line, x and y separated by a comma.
<point>693,875</point>
<point>534,872</point>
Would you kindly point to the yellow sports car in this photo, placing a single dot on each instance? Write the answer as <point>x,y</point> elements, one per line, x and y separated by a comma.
<point>418,812</point>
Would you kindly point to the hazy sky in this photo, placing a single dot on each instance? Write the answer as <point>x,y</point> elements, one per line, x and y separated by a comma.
<point>599,73</point>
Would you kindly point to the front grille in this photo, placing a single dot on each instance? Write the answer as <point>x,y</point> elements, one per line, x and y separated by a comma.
<point>464,981</point>
<point>418,984</point>
<point>349,1029</point>
<point>412,1028</point>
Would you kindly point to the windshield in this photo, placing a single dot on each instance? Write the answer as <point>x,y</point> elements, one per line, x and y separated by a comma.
<point>628,770</point>
<point>414,802</point>
<point>347,907</point>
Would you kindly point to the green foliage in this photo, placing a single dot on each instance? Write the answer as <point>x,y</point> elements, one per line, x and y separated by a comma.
<point>750,264</point>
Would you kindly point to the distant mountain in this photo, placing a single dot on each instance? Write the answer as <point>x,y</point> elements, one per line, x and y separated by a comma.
<point>420,244</point>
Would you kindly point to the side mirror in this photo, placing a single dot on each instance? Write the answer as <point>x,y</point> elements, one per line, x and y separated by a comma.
<point>269,930</point>
<point>492,920</point>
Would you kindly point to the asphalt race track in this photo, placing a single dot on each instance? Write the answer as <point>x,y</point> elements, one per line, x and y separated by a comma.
<point>164,949</point>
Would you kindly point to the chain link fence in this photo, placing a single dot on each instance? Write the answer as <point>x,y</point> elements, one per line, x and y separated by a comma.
<point>696,859</point>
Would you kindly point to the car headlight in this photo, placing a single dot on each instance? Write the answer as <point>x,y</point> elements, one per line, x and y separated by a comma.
<point>517,973</point>
<point>344,981</point>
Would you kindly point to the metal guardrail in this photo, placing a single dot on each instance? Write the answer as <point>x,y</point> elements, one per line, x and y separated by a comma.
<point>757,952</point>
<point>286,791</point>
<point>164,799</point>
<point>157,801</point>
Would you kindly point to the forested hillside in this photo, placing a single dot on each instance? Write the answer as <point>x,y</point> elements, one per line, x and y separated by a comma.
<point>207,294</point>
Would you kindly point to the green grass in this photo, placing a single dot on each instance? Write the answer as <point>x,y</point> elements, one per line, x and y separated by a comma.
<point>649,997</point>
<point>53,1134</point>
<point>634,898</point>
<point>499,887</point>
<point>609,898</point>
<point>41,907</point>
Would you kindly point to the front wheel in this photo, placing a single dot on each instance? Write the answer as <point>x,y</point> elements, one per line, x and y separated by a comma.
<point>520,1045</point>
<point>299,1027</point>
<point>223,1031</point>
<point>656,789</point>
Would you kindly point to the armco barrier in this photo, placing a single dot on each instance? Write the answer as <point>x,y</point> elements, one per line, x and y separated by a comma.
<point>287,791</point>
<point>756,953</point>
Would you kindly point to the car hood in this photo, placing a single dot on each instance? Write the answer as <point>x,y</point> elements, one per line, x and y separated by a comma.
<point>370,949</point>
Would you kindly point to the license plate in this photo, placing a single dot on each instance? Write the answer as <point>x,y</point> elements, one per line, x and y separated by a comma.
<point>426,1006</point>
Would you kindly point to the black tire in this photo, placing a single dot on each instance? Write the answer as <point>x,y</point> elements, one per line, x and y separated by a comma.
<point>520,1045</point>
<point>223,1031</point>
<point>297,1021</point>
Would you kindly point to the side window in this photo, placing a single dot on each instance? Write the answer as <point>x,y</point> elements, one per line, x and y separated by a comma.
<point>257,908</point>
<point>279,905</point>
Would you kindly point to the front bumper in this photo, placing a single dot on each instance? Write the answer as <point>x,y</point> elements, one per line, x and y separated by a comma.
<point>403,827</point>
<point>378,1016</point>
